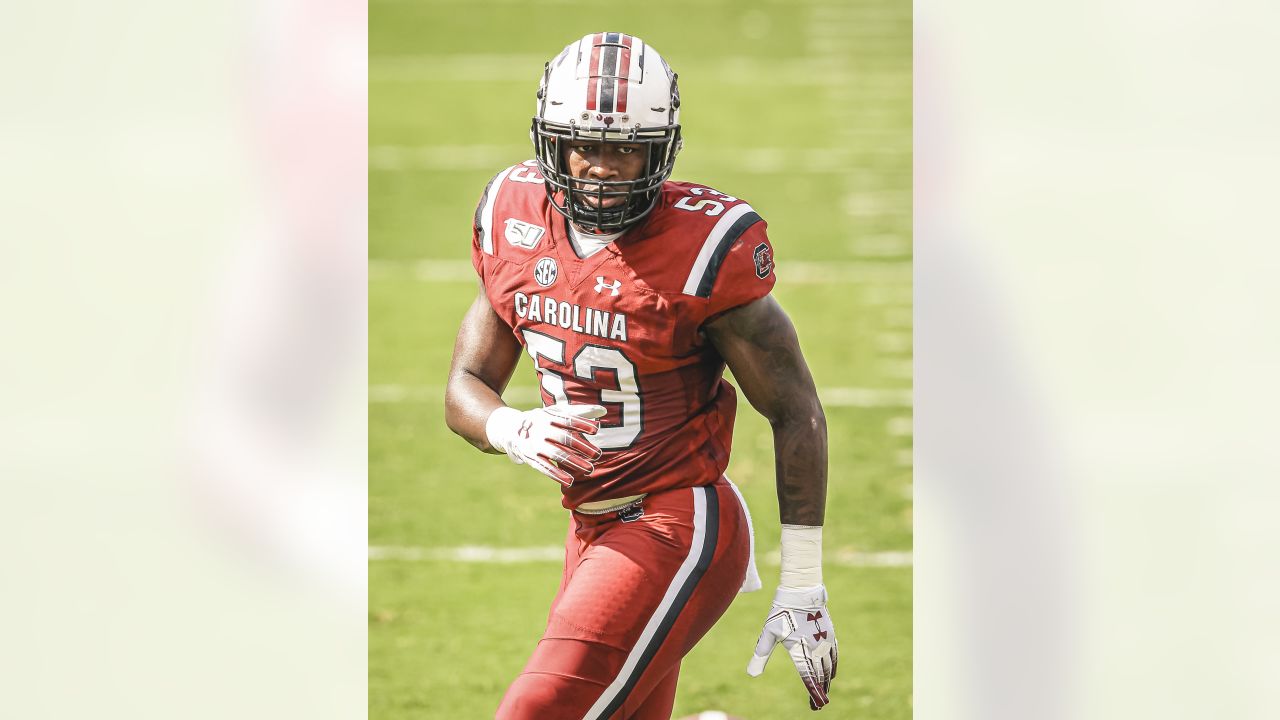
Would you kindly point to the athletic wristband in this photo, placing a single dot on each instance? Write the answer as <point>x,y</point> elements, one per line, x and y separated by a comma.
<point>501,427</point>
<point>801,556</point>
<point>801,598</point>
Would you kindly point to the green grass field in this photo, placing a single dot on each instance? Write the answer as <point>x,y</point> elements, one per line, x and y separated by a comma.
<point>802,108</point>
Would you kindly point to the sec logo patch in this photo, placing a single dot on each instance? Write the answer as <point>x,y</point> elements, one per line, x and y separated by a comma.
<point>546,271</point>
<point>764,261</point>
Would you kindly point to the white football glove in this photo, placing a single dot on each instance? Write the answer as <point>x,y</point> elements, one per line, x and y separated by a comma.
<point>800,621</point>
<point>551,440</point>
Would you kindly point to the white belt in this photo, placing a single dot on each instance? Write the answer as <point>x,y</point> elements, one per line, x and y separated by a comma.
<point>600,507</point>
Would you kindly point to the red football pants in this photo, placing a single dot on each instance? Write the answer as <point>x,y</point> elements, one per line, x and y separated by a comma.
<point>640,588</point>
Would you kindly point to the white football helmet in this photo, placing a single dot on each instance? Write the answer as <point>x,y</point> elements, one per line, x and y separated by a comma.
<point>610,87</point>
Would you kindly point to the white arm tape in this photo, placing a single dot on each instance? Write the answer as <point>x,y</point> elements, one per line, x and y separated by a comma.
<point>801,556</point>
<point>501,427</point>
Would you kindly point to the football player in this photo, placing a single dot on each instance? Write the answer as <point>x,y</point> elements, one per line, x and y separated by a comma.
<point>632,293</point>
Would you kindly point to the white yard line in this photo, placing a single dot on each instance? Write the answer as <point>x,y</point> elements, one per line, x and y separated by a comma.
<point>447,157</point>
<point>865,397</point>
<point>892,558</point>
<point>831,397</point>
<point>555,554</point>
<point>888,295</point>
<point>900,426</point>
<point>904,457</point>
<point>894,343</point>
<point>470,554</point>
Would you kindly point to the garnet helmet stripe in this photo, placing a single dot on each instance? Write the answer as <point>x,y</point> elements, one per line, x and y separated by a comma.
<point>624,64</point>
<point>593,72</point>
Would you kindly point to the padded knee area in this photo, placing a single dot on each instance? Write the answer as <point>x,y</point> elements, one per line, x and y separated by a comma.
<point>538,695</point>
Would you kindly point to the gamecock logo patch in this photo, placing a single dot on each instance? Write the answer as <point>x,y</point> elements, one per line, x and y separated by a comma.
<point>764,261</point>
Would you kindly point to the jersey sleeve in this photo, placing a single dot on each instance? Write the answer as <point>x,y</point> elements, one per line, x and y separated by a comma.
<point>477,255</point>
<point>746,272</point>
<point>478,225</point>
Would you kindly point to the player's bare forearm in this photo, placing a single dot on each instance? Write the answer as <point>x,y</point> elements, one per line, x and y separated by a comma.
<point>484,357</point>
<point>759,344</point>
<point>800,450</point>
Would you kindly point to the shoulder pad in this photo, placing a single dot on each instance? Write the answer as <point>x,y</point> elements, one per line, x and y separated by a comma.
<point>730,226</point>
<point>525,173</point>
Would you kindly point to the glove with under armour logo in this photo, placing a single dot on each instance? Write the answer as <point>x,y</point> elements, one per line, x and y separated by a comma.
<point>551,440</point>
<point>799,620</point>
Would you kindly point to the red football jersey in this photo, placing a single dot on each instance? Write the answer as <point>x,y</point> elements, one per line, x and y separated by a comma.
<point>621,328</point>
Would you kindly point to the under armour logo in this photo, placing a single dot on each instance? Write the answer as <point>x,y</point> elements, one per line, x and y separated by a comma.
<point>814,617</point>
<point>525,427</point>
<point>601,285</point>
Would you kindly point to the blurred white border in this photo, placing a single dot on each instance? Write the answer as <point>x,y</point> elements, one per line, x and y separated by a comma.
<point>184,370</point>
<point>1096,360</point>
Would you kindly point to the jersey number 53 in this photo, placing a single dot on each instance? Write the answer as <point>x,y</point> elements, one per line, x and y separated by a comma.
<point>585,366</point>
